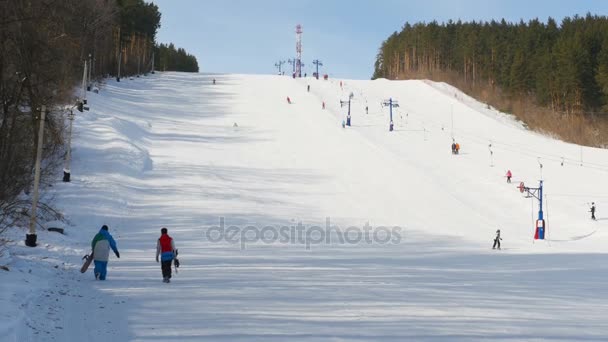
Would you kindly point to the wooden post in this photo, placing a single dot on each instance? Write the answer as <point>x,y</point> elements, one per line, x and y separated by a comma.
<point>30,239</point>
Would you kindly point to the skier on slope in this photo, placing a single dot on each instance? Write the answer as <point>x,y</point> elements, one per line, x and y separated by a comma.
<point>366,110</point>
<point>288,100</point>
<point>323,105</point>
<point>457,148</point>
<point>509,175</point>
<point>308,88</point>
<point>592,210</point>
<point>165,247</point>
<point>497,240</point>
<point>101,244</point>
<point>214,81</point>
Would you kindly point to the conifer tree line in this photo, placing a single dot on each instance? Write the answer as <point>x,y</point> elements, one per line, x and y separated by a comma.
<point>560,67</point>
<point>43,46</point>
<point>170,58</point>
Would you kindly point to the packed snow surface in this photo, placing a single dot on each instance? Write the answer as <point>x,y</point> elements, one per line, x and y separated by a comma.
<point>248,184</point>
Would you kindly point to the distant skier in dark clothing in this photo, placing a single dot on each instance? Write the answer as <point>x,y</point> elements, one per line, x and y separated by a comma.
<point>214,81</point>
<point>366,110</point>
<point>308,88</point>
<point>497,240</point>
<point>165,248</point>
<point>592,210</point>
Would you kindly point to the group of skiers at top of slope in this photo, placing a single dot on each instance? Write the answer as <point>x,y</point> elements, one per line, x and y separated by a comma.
<point>103,242</point>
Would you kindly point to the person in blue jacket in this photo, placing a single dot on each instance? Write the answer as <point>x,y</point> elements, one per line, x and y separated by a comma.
<point>101,245</point>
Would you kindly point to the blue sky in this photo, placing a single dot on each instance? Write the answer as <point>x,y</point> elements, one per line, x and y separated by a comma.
<point>249,36</point>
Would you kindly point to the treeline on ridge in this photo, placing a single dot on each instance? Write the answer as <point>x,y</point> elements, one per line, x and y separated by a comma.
<point>172,59</point>
<point>554,77</point>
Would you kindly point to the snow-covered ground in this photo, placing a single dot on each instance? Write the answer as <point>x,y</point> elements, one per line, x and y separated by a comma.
<point>417,223</point>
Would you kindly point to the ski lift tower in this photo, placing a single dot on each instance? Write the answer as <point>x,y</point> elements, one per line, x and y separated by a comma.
<point>539,233</point>
<point>343,103</point>
<point>391,104</point>
<point>299,50</point>
<point>317,63</point>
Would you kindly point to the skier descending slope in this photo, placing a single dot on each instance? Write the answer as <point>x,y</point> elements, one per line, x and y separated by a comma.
<point>165,247</point>
<point>509,175</point>
<point>497,240</point>
<point>592,210</point>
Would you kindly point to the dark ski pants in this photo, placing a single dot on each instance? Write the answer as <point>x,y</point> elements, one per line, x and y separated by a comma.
<point>496,243</point>
<point>166,268</point>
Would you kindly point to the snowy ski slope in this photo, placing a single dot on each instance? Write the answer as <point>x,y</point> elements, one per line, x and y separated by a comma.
<point>164,151</point>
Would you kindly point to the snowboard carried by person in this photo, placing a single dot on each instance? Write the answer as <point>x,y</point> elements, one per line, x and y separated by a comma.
<point>176,260</point>
<point>88,259</point>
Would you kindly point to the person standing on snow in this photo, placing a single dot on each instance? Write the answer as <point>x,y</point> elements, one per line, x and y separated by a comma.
<point>101,244</point>
<point>497,240</point>
<point>308,88</point>
<point>288,100</point>
<point>165,247</point>
<point>592,210</point>
<point>509,175</point>
<point>323,105</point>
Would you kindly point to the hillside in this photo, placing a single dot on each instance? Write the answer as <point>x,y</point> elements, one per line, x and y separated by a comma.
<point>173,150</point>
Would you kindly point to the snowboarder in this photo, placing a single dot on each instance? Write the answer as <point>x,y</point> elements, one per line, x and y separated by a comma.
<point>288,100</point>
<point>308,88</point>
<point>101,244</point>
<point>165,248</point>
<point>509,175</point>
<point>592,210</point>
<point>497,240</point>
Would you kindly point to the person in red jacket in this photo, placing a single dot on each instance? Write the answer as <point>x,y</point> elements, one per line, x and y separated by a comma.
<point>165,247</point>
<point>509,175</point>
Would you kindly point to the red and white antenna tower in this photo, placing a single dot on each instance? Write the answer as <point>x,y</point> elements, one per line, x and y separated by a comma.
<point>299,50</point>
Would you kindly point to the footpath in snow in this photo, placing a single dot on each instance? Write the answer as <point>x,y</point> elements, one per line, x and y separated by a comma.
<point>173,150</point>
